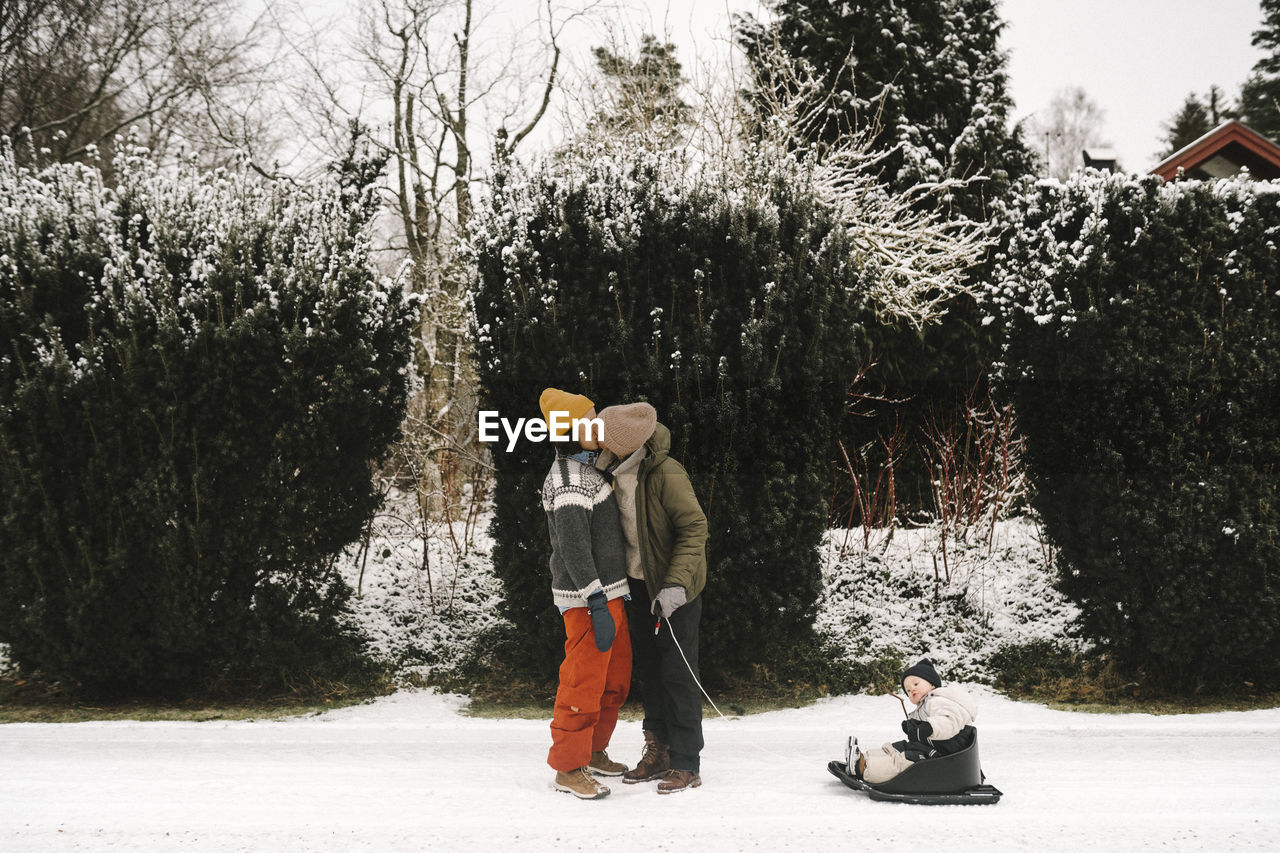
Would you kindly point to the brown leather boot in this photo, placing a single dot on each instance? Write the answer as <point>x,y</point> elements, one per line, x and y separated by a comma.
<point>654,762</point>
<point>602,765</point>
<point>679,780</point>
<point>581,784</point>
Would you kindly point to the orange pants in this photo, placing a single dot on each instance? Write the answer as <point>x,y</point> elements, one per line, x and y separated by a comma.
<point>593,686</point>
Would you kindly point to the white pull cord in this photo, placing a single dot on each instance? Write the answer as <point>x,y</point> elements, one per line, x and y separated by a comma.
<point>689,667</point>
<point>709,699</point>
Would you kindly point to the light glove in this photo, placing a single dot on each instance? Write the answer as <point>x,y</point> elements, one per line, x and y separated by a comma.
<point>668,601</point>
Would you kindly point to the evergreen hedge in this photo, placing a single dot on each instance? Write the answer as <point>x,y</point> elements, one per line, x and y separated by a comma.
<point>1144,357</point>
<point>197,371</point>
<point>727,301</point>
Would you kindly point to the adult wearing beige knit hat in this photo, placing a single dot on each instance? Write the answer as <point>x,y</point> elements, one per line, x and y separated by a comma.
<point>665,532</point>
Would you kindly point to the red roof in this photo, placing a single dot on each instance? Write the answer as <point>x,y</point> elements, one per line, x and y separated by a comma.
<point>1223,151</point>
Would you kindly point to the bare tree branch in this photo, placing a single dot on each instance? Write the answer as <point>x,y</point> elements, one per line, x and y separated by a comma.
<point>75,73</point>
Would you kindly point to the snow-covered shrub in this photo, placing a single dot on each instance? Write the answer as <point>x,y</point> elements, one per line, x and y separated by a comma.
<point>198,369</point>
<point>1143,358</point>
<point>727,298</point>
<point>424,616</point>
<point>895,605</point>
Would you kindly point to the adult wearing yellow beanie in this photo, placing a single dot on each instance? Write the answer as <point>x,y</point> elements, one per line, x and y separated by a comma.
<point>588,582</point>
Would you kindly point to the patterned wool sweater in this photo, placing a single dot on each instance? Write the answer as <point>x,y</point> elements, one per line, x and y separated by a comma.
<point>587,549</point>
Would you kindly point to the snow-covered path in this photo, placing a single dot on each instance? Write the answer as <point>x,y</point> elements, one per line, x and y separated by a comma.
<point>409,773</point>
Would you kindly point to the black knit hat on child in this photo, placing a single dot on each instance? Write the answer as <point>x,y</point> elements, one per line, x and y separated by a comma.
<point>924,670</point>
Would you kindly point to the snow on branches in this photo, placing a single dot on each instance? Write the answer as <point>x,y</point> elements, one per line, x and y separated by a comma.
<point>160,244</point>
<point>919,256</point>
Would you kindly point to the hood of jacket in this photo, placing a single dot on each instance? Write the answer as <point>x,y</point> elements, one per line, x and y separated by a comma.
<point>673,528</point>
<point>658,447</point>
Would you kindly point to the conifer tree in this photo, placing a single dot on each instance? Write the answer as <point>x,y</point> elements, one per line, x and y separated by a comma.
<point>929,74</point>
<point>1267,37</point>
<point>1260,95</point>
<point>927,78</point>
<point>1187,125</point>
<point>1219,110</point>
<point>1260,105</point>
<point>645,91</point>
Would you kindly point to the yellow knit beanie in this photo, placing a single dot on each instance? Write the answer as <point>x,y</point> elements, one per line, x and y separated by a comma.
<point>555,400</point>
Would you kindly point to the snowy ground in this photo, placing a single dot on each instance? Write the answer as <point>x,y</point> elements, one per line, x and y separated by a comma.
<point>410,773</point>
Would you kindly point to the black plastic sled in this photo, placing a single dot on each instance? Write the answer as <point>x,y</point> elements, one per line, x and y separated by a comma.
<point>947,780</point>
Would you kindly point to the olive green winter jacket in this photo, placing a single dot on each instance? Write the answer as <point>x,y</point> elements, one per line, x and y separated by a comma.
<point>671,526</point>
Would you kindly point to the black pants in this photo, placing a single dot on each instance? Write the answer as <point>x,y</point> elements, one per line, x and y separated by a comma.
<point>672,698</point>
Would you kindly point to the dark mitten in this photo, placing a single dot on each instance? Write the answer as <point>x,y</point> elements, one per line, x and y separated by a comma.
<point>917,730</point>
<point>912,750</point>
<point>601,620</point>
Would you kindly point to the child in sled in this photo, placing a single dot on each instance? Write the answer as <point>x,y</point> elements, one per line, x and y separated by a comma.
<point>935,727</point>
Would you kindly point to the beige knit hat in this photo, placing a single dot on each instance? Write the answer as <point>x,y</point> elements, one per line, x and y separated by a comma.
<point>627,428</point>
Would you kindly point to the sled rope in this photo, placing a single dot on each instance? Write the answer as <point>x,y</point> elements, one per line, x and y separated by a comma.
<point>704,690</point>
<point>689,667</point>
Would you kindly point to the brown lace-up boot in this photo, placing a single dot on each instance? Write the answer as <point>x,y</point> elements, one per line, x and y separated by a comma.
<point>679,780</point>
<point>581,784</point>
<point>602,765</point>
<point>654,762</point>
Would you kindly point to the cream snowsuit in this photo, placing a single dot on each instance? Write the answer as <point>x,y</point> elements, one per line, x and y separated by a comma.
<point>948,709</point>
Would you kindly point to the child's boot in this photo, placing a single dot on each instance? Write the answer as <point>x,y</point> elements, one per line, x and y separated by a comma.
<point>851,754</point>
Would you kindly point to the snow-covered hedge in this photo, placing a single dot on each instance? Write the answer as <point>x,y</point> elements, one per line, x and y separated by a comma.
<point>1143,357</point>
<point>197,370</point>
<point>732,299</point>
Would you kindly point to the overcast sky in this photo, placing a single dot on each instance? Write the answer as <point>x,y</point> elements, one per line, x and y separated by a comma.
<point>1138,59</point>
